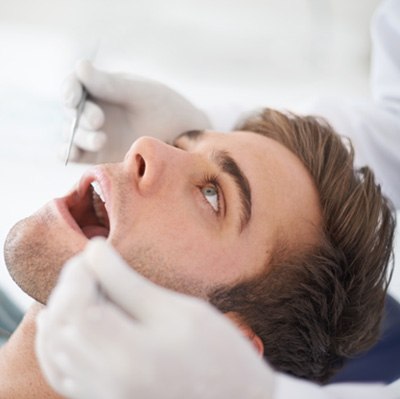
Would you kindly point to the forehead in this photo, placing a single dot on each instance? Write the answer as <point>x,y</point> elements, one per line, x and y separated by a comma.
<point>283,192</point>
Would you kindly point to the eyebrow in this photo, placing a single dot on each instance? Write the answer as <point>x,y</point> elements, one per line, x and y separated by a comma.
<point>190,134</point>
<point>228,165</point>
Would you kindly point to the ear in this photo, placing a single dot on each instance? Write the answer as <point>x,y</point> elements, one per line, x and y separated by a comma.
<point>247,332</point>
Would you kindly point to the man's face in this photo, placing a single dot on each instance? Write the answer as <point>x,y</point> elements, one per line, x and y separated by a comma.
<point>207,212</point>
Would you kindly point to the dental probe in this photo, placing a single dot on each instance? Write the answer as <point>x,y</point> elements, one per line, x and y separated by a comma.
<point>81,106</point>
<point>75,122</point>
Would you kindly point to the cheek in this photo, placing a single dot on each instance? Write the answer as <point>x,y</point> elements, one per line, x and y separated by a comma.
<point>201,257</point>
<point>183,250</point>
<point>187,242</point>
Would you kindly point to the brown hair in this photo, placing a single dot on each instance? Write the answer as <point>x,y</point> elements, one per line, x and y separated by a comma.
<point>316,307</point>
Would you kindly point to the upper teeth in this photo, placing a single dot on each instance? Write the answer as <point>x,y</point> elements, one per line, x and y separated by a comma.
<point>97,190</point>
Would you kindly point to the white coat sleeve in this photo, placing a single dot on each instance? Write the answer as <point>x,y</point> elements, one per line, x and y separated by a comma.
<point>374,126</point>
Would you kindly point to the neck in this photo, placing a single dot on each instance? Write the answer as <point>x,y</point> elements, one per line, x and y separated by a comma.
<point>20,376</point>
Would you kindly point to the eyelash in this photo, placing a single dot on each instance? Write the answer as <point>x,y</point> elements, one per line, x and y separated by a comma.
<point>208,180</point>
<point>211,180</point>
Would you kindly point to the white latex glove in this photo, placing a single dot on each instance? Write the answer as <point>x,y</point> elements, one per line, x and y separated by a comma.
<point>120,108</point>
<point>109,333</point>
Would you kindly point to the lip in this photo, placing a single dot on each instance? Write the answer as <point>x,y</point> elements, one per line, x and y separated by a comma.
<point>62,207</point>
<point>65,203</point>
<point>96,174</point>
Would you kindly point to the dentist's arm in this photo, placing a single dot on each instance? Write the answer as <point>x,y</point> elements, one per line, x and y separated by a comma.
<point>109,333</point>
<point>121,108</point>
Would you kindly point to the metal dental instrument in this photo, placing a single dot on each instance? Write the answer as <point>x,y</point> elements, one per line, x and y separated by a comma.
<point>79,110</point>
<point>75,122</point>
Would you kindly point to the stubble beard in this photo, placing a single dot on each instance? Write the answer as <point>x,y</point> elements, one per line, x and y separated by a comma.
<point>152,265</point>
<point>33,259</point>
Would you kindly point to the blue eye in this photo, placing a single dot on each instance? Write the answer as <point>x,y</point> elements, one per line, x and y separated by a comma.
<point>211,195</point>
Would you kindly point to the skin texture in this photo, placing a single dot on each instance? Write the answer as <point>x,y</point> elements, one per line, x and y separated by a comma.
<point>165,225</point>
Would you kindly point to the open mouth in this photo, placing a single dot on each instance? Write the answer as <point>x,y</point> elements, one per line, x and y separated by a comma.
<point>90,212</point>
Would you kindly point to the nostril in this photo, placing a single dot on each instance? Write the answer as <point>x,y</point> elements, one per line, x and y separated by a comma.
<point>141,165</point>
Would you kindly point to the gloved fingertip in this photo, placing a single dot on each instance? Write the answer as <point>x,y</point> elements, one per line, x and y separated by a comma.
<point>71,92</point>
<point>100,252</point>
<point>84,69</point>
<point>97,140</point>
<point>93,116</point>
<point>74,154</point>
<point>95,244</point>
<point>69,100</point>
<point>95,249</point>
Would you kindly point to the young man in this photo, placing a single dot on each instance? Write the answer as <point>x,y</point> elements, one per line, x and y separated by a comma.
<point>308,206</point>
<point>255,222</point>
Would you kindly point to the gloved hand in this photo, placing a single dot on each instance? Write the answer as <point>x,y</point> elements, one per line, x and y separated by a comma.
<point>120,108</point>
<point>108,332</point>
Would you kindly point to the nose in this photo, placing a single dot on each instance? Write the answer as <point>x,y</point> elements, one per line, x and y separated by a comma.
<point>153,163</point>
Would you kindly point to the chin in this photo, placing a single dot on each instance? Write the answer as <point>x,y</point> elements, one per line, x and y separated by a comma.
<point>35,252</point>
